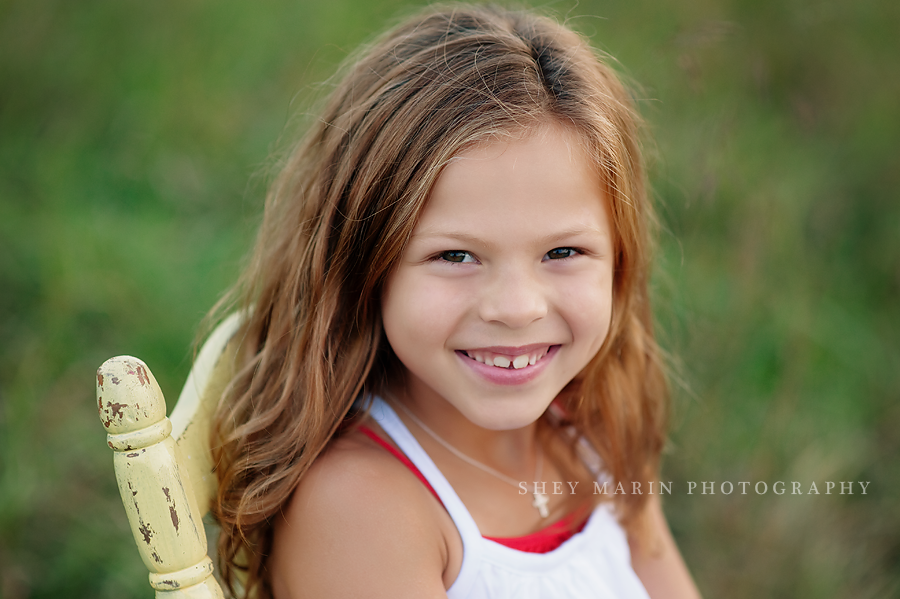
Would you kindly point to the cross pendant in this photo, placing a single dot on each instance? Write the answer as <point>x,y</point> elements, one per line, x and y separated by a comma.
<point>540,502</point>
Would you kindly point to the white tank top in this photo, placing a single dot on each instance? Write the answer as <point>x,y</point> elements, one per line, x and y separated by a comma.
<point>594,563</point>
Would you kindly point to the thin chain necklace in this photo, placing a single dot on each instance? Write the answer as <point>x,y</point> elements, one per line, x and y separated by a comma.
<point>540,499</point>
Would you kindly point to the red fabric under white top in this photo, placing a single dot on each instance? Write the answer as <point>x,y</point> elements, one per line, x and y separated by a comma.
<point>594,563</point>
<point>544,540</point>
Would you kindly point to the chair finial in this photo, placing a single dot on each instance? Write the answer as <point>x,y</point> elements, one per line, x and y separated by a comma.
<point>128,396</point>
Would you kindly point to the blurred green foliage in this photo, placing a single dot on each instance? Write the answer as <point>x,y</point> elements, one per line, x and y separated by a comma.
<point>134,144</point>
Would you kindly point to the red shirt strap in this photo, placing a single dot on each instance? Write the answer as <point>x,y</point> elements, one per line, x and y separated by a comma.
<point>400,456</point>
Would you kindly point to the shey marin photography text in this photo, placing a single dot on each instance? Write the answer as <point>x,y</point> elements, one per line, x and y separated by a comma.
<point>703,488</point>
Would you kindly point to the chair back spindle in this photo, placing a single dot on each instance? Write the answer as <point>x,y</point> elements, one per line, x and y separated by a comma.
<point>162,510</point>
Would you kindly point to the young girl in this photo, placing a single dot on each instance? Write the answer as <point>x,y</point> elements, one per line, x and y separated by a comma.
<point>449,337</point>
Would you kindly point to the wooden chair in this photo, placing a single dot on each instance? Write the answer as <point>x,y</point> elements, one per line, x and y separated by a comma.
<point>163,465</point>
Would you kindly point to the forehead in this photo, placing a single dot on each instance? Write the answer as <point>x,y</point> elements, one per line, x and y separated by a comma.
<point>565,141</point>
<point>526,185</point>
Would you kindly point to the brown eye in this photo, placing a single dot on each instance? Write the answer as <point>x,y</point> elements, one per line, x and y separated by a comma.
<point>457,256</point>
<point>560,253</point>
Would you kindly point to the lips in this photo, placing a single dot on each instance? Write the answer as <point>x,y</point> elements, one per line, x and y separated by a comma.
<point>498,365</point>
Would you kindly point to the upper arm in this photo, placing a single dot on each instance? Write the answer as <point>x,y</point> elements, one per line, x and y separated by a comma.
<point>358,526</point>
<point>658,563</point>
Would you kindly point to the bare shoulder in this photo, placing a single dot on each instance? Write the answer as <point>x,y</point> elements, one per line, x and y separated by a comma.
<point>359,524</point>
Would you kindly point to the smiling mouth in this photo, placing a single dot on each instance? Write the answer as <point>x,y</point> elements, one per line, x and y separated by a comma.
<point>506,361</point>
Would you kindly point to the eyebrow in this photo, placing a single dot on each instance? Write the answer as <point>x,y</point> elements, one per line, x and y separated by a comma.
<point>472,239</point>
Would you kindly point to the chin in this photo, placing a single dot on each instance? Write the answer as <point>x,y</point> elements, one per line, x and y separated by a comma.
<point>508,417</point>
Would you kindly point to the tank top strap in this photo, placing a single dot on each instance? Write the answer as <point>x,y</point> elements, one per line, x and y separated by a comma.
<point>385,416</point>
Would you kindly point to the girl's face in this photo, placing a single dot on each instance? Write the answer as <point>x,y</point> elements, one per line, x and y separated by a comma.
<point>504,292</point>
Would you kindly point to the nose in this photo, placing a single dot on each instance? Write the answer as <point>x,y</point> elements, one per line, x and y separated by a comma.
<point>514,297</point>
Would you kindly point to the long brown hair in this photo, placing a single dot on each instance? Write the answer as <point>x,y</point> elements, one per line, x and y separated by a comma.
<point>337,220</point>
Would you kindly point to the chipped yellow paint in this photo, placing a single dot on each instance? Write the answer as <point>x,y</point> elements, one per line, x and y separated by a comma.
<point>164,467</point>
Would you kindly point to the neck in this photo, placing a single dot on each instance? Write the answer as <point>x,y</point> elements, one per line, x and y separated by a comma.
<point>511,451</point>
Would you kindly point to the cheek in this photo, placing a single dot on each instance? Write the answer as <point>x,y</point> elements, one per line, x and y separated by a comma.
<point>416,314</point>
<point>589,308</point>
<point>395,314</point>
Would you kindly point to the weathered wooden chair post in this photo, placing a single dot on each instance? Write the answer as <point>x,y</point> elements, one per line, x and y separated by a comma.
<point>159,501</point>
<point>163,467</point>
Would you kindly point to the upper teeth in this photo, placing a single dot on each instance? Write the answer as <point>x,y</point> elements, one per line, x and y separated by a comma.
<point>504,361</point>
<point>501,362</point>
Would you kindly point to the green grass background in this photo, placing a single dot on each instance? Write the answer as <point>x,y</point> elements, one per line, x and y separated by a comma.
<point>134,139</point>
